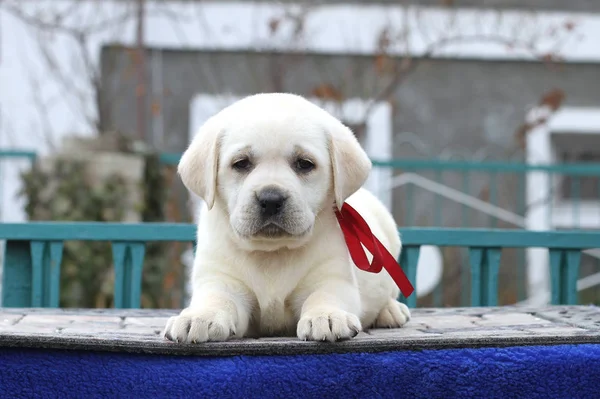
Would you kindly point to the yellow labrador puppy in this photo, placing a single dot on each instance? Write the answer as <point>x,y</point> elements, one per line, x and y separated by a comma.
<point>271,258</point>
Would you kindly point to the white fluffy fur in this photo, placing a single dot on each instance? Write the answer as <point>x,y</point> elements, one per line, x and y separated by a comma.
<point>303,282</point>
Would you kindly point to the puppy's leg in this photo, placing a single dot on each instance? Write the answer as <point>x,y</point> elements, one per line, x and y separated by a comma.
<point>393,315</point>
<point>330,312</point>
<point>220,308</point>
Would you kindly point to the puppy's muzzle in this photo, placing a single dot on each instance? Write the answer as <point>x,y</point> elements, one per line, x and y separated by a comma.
<point>271,201</point>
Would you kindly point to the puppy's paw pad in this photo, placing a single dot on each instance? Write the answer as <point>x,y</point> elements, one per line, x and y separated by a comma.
<point>328,326</point>
<point>195,327</point>
<point>393,315</point>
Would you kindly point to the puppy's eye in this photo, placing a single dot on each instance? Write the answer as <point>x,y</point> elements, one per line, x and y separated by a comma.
<point>304,165</point>
<point>242,164</point>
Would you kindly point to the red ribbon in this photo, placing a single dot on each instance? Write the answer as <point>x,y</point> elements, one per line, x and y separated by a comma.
<point>356,232</point>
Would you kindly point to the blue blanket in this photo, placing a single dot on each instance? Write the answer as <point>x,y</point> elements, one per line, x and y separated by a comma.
<point>564,371</point>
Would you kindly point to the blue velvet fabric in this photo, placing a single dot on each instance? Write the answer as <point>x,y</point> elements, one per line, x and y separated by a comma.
<point>562,371</point>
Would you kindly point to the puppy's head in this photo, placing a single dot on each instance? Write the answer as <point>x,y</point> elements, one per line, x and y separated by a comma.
<point>272,163</point>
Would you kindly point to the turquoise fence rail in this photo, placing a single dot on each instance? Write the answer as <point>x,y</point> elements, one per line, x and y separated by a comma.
<point>170,158</point>
<point>33,252</point>
<point>467,194</point>
<point>10,155</point>
<point>503,184</point>
<point>31,155</point>
<point>498,187</point>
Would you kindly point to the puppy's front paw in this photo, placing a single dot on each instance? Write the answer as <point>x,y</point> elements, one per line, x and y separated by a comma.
<point>328,326</point>
<point>194,326</point>
<point>393,315</point>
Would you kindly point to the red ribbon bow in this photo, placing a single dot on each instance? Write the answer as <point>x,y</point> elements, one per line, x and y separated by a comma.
<point>356,232</point>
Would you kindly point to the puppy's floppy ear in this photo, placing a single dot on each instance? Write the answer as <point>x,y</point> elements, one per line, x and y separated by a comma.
<point>350,163</point>
<point>199,163</point>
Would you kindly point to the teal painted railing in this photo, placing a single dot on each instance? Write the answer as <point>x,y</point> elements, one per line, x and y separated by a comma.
<point>10,155</point>
<point>170,158</point>
<point>501,184</point>
<point>493,176</point>
<point>466,194</point>
<point>440,193</point>
<point>31,155</point>
<point>33,252</point>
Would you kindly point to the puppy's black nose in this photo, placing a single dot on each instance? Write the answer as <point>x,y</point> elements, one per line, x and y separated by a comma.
<point>271,201</point>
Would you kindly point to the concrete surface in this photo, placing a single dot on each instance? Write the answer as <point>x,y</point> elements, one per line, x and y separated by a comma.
<point>139,331</point>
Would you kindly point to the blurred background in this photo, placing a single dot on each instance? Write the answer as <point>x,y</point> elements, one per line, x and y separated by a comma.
<point>476,114</point>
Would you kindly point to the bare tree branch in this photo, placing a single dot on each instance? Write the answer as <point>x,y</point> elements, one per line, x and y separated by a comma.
<point>392,70</point>
<point>43,112</point>
<point>407,64</point>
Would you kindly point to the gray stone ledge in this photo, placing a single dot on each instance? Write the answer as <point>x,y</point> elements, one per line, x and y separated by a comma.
<point>138,331</point>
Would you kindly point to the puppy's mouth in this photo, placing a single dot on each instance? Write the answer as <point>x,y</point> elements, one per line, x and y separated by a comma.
<point>272,230</point>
